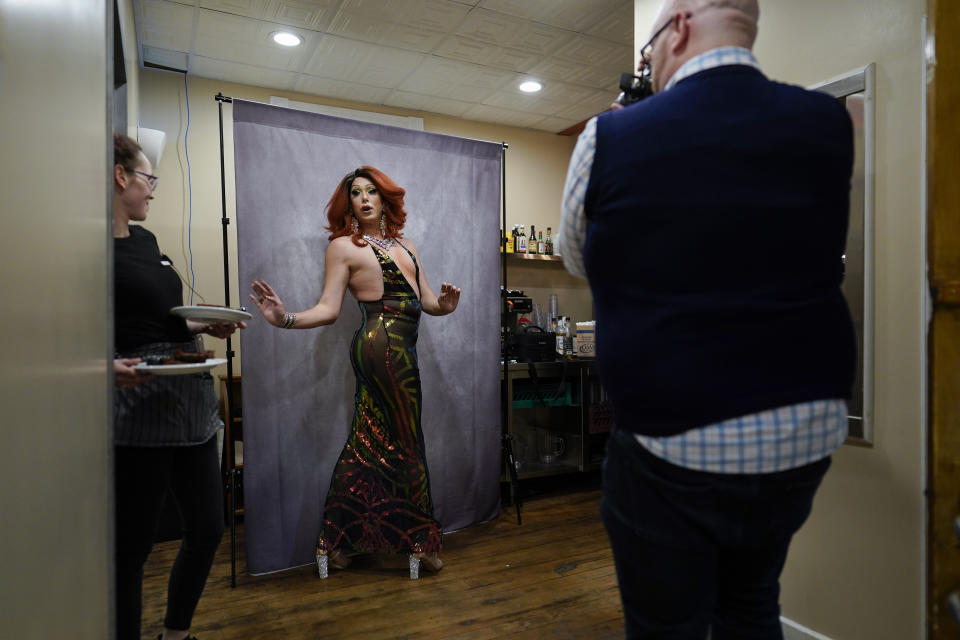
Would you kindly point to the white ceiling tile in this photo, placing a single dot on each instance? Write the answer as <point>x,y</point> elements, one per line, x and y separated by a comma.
<point>599,101</point>
<point>466,49</point>
<point>553,98</point>
<point>418,102</point>
<point>343,59</point>
<point>573,72</point>
<point>418,25</point>
<point>165,25</point>
<point>244,40</point>
<point>617,26</point>
<point>515,100</point>
<point>507,31</point>
<point>586,50</point>
<point>369,29</point>
<point>568,93</point>
<point>512,60</point>
<point>339,89</point>
<point>248,8</point>
<point>242,73</point>
<point>574,15</point>
<point>309,14</point>
<point>436,15</point>
<point>455,80</point>
<point>486,113</point>
<point>165,58</point>
<point>486,53</point>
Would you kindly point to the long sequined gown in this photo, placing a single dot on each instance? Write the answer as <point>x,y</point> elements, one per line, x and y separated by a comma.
<point>379,498</point>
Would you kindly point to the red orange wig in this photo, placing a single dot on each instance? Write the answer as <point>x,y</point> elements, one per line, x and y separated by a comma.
<point>391,195</point>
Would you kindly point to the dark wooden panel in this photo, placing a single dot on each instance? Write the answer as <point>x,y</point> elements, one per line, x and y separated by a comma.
<point>943,242</point>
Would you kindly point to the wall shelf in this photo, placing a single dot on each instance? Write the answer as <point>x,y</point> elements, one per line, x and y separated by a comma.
<point>535,256</point>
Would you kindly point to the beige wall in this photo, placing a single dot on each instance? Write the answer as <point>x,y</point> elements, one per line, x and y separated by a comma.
<point>536,167</point>
<point>56,550</point>
<point>856,569</point>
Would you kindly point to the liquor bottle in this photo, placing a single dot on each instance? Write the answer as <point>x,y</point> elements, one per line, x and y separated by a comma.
<point>561,336</point>
<point>541,245</point>
<point>532,243</point>
<point>568,337</point>
<point>521,245</point>
<point>549,243</point>
<point>509,243</point>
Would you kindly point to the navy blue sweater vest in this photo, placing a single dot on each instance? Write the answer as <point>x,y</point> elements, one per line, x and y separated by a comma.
<point>717,222</point>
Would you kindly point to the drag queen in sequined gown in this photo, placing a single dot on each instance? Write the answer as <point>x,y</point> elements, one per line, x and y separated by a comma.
<point>379,499</point>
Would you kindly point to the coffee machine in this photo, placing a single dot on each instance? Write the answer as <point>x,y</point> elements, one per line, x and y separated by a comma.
<point>515,305</point>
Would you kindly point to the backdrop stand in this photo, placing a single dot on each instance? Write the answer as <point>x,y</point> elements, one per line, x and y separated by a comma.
<point>506,439</point>
<point>245,111</point>
<point>231,472</point>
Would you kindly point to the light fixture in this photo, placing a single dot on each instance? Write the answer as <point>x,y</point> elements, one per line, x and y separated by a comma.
<point>286,38</point>
<point>530,86</point>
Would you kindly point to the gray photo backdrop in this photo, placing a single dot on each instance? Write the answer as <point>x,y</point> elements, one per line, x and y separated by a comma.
<point>298,385</point>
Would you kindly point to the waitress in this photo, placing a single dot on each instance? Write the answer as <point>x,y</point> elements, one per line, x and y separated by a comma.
<point>164,427</point>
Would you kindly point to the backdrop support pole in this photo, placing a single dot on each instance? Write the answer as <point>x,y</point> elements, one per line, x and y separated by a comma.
<point>231,470</point>
<point>506,438</point>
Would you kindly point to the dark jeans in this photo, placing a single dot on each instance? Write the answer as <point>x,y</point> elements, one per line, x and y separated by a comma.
<point>143,476</point>
<point>697,551</point>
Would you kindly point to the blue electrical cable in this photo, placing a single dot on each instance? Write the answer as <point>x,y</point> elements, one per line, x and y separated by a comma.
<point>186,94</point>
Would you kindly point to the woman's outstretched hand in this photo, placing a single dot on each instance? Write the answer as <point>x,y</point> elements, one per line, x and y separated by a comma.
<point>449,298</point>
<point>269,303</point>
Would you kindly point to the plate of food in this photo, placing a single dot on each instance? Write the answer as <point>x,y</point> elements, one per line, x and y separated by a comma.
<point>180,363</point>
<point>210,313</point>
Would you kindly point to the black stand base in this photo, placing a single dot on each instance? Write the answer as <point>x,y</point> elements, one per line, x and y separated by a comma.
<point>511,464</point>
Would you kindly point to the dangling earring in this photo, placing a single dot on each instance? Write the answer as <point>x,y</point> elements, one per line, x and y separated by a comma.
<point>354,225</point>
<point>383,226</point>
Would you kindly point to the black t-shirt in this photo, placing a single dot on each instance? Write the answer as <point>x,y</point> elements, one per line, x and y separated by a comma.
<point>145,288</point>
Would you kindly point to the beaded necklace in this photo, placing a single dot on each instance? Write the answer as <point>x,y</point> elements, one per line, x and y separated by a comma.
<point>384,243</point>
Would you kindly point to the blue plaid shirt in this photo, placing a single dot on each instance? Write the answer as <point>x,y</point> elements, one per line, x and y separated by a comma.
<point>765,442</point>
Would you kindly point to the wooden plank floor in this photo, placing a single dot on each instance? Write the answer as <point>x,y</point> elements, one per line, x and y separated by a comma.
<point>551,577</point>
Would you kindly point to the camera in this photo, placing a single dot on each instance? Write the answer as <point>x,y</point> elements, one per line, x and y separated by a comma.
<point>634,88</point>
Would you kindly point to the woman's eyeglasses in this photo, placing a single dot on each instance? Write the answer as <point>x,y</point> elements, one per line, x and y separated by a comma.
<point>151,179</point>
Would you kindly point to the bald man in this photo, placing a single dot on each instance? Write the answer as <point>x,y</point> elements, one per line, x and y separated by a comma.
<point>710,220</point>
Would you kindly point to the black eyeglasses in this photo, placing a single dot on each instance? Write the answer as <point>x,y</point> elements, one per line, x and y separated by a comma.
<point>647,49</point>
<point>645,79</point>
<point>151,179</point>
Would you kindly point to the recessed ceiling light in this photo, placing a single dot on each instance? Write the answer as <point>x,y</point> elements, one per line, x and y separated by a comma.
<point>286,38</point>
<point>530,86</point>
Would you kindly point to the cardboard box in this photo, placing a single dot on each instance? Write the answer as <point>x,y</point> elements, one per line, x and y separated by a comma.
<point>586,343</point>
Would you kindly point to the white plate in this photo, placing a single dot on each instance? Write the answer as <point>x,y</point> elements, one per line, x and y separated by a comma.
<point>180,369</point>
<point>210,314</point>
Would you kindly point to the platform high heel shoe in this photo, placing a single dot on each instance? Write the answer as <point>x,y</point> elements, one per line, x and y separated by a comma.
<point>326,560</point>
<point>430,561</point>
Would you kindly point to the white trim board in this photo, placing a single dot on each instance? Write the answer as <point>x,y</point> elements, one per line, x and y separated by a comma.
<point>795,631</point>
